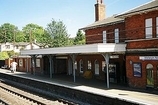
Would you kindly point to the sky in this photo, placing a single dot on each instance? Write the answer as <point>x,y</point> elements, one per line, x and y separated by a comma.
<point>75,14</point>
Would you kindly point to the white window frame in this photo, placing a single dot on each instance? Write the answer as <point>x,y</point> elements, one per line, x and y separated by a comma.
<point>104,37</point>
<point>148,28</point>
<point>89,65</point>
<point>116,35</point>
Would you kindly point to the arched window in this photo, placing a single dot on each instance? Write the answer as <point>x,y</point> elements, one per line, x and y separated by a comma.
<point>89,65</point>
<point>81,66</point>
<point>149,69</point>
<point>96,63</point>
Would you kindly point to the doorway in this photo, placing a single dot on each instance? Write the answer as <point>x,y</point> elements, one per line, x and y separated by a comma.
<point>150,79</point>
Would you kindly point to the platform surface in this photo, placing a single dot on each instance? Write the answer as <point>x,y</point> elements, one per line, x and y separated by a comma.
<point>144,97</point>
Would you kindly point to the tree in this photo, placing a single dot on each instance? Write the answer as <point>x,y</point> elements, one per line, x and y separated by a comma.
<point>32,32</point>
<point>57,31</point>
<point>7,32</point>
<point>10,33</point>
<point>80,38</point>
<point>36,34</point>
<point>3,55</point>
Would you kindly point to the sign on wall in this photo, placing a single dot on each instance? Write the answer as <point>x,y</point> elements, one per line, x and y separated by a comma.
<point>148,57</point>
<point>137,69</point>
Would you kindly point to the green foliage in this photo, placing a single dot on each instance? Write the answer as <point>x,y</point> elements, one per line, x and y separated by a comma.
<point>3,55</point>
<point>55,35</point>
<point>80,38</point>
<point>10,33</point>
<point>7,32</point>
<point>10,53</point>
<point>32,32</point>
<point>59,36</point>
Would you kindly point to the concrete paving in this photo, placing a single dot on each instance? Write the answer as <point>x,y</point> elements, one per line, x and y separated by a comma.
<point>140,96</point>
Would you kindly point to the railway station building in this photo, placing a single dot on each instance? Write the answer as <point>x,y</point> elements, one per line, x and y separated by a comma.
<point>121,49</point>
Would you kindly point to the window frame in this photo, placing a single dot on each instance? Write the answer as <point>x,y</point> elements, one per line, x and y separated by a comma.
<point>148,28</point>
<point>104,37</point>
<point>116,35</point>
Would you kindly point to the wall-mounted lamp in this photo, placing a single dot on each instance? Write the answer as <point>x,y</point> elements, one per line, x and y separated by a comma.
<point>130,62</point>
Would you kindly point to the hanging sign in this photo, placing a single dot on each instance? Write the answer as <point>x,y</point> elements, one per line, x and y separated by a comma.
<point>148,57</point>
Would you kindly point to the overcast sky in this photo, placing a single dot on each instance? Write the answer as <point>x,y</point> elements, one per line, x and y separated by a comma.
<point>75,14</point>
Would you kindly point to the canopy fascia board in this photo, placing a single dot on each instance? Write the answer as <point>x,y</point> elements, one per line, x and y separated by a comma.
<point>82,49</point>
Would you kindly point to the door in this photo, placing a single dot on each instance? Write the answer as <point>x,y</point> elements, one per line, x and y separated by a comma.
<point>150,79</point>
<point>112,72</point>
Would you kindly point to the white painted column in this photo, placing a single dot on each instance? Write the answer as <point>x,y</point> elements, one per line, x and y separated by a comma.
<point>106,57</point>
<point>73,57</point>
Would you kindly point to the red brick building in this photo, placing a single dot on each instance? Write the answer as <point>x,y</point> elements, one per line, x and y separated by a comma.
<point>137,65</point>
<point>141,31</point>
<point>108,30</point>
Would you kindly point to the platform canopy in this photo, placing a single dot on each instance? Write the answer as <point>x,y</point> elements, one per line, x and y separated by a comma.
<point>80,49</point>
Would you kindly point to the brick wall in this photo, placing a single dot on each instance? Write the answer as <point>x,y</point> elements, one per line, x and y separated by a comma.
<point>140,82</point>
<point>95,35</point>
<point>135,25</point>
<point>120,61</point>
<point>142,44</point>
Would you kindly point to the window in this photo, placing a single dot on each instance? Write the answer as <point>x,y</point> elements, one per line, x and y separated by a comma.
<point>96,67</point>
<point>7,46</point>
<point>117,35</point>
<point>38,63</point>
<point>148,28</point>
<point>104,37</point>
<point>89,65</point>
<point>149,69</point>
<point>103,65</point>
<point>156,26</point>
<point>81,66</point>
<point>150,78</point>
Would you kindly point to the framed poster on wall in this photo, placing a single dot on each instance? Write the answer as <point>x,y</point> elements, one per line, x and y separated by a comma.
<point>137,69</point>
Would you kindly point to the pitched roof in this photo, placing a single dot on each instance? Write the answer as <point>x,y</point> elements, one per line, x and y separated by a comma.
<point>150,6</point>
<point>105,22</point>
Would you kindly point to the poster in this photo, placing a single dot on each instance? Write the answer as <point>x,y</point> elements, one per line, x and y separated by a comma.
<point>137,69</point>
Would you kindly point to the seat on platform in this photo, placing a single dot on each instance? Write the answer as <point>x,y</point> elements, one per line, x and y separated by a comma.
<point>87,74</point>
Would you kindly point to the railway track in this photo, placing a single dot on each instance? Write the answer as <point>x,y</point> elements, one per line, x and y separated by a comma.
<point>10,95</point>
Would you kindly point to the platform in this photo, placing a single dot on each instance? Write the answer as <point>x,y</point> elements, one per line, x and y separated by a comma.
<point>144,97</point>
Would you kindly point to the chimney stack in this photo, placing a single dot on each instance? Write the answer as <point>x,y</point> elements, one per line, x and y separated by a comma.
<point>99,10</point>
